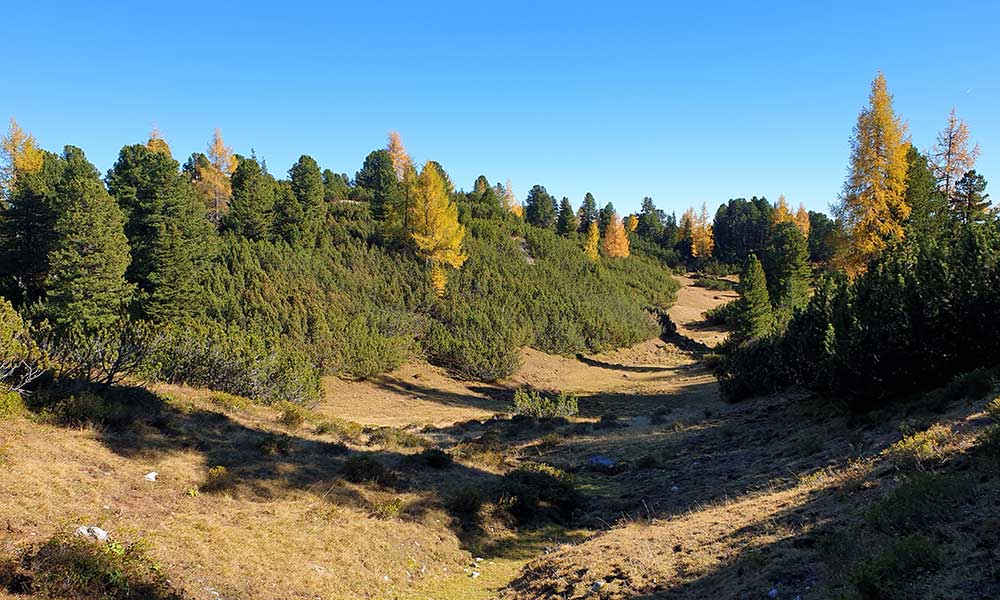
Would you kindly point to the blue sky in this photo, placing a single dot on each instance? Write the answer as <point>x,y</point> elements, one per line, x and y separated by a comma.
<point>682,101</point>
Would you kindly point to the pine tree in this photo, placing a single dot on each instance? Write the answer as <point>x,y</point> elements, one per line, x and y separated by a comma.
<point>86,286</point>
<point>307,186</point>
<point>605,215</point>
<point>436,231</point>
<point>336,186</point>
<point>928,207</point>
<point>754,316</point>
<point>650,221</point>
<point>166,230</point>
<point>873,204</point>
<point>590,246</point>
<point>567,223</point>
<point>786,263</point>
<point>26,231</point>
<point>19,154</point>
<point>251,210</point>
<point>288,215</point>
<point>615,242</point>
<point>378,184</point>
<point>540,208</point>
<point>970,200</point>
<point>951,157</point>
<point>588,211</point>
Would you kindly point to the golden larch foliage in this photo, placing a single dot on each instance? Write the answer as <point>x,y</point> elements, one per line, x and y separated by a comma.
<point>590,245</point>
<point>19,154</point>
<point>951,156</point>
<point>435,229</point>
<point>510,201</point>
<point>615,238</point>
<point>401,162</point>
<point>156,143</point>
<point>702,237</point>
<point>212,180</point>
<point>873,204</point>
<point>631,223</point>
<point>802,220</point>
<point>781,213</point>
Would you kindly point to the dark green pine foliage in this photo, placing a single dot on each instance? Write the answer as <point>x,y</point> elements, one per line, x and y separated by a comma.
<point>929,209</point>
<point>307,185</point>
<point>289,218</point>
<point>484,201</point>
<point>971,202</point>
<point>604,217</point>
<point>786,262</point>
<point>741,227</point>
<point>540,208</point>
<point>377,183</point>
<point>336,186</point>
<point>755,318</point>
<point>86,288</point>
<point>26,233</point>
<point>588,212</point>
<point>823,235</point>
<point>167,232</point>
<point>651,219</point>
<point>567,223</point>
<point>251,209</point>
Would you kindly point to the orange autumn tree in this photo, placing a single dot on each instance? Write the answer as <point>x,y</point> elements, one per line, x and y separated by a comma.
<point>19,154</point>
<point>156,143</point>
<point>951,157</point>
<point>781,212</point>
<point>631,223</point>
<point>510,201</point>
<point>615,238</point>
<point>873,205</point>
<point>801,220</point>
<point>211,177</point>
<point>434,226</point>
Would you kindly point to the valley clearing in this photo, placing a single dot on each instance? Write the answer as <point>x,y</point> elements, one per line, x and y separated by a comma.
<point>678,494</point>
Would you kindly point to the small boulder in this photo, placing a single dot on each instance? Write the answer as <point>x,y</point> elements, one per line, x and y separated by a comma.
<point>151,476</point>
<point>95,533</point>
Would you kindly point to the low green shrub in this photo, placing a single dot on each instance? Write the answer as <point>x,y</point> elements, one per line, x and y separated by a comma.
<point>888,573</point>
<point>921,500</point>
<point>387,509</point>
<point>714,283</point>
<point>535,491</point>
<point>393,437</point>
<point>347,431</point>
<point>11,405</point>
<point>362,468</point>
<point>968,386</point>
<point>535,404</point>
<point>218,479</point>
<point>275,444</point>
<point>292,416</point>
<point>466,502</point>
<point>723,314</point>
<point>993,408</point>
<point>76,568</point>
<point>920,450</point>
<point>988,442</point>
<point>230,402</point>
<point>435,458</point>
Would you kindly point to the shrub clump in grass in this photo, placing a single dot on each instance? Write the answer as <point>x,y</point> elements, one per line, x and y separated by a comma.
<point>393,437</point>
<point>536,491</point>
<point>887,574</point>
<point>921,500</point>
<point>230,402</point>
<point>534,404</point>
<point>387,509</point>
<point>347,431</point>
<point>80,569</point>
<point>466,502</point>
<point>11,404</point>
<point>435,458</point>
<point>218,479</point>
<point>921,450</point>
<point>968,386</point>
<point>292,415</point>
<point>988,442</point>
<point>993,408</point>
<point>361,468</point>
<point>275,444</point>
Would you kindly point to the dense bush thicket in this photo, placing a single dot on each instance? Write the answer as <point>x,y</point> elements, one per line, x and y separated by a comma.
<point>218,274</point>
<point>921,313</point>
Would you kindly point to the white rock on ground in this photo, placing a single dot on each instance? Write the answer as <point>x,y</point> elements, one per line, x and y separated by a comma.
<point>92,532</point>
<point>151,476</point>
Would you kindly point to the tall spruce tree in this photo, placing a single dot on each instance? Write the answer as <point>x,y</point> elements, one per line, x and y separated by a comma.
<point>307,185</point>
<point>588,212</point>
<point>786,263</point>
<point>604,217</point>
<point>86,286</point>
<point>540,208</point>
<point>928,207</point>
<point>289,217</point>
<point>251,209</point>
<point>651,219</point>
<point>166,229</point>
<point>754,318</point>
<point>970,201</point>
<point>567,223</point>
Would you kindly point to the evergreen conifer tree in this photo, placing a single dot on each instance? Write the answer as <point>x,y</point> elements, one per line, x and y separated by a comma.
<point>755,318</point>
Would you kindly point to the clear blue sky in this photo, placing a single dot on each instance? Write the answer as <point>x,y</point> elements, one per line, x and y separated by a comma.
<point>682,101</point>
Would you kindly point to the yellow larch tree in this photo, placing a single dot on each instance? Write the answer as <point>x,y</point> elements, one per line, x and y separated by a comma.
<point>401,161</point>
<point>873,203</point>
<point>435,229</point>
<point>590,245</point>
<point>702,238</point>
<point>951,157</point>
<point>511,202</point>
<point>631,223</point>
<point>801,220</point>
<point>156,143</point>
<point>400,207</point>
<point>781,212</point>
<point>211,179</point>
<point>19,154</point>
<point>615,239</point>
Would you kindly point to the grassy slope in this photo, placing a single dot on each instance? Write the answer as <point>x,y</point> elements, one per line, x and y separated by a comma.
<point>715,500</point>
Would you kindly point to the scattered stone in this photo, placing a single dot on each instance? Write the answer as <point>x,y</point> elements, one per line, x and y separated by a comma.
<point>474,574</point>
<point>478,559</point>
<point>600,462</point>
<point>597,585</point>
<point>674,489</point>
<point>92,532</point>
<point>152,475</point>
<point>773,593</point>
